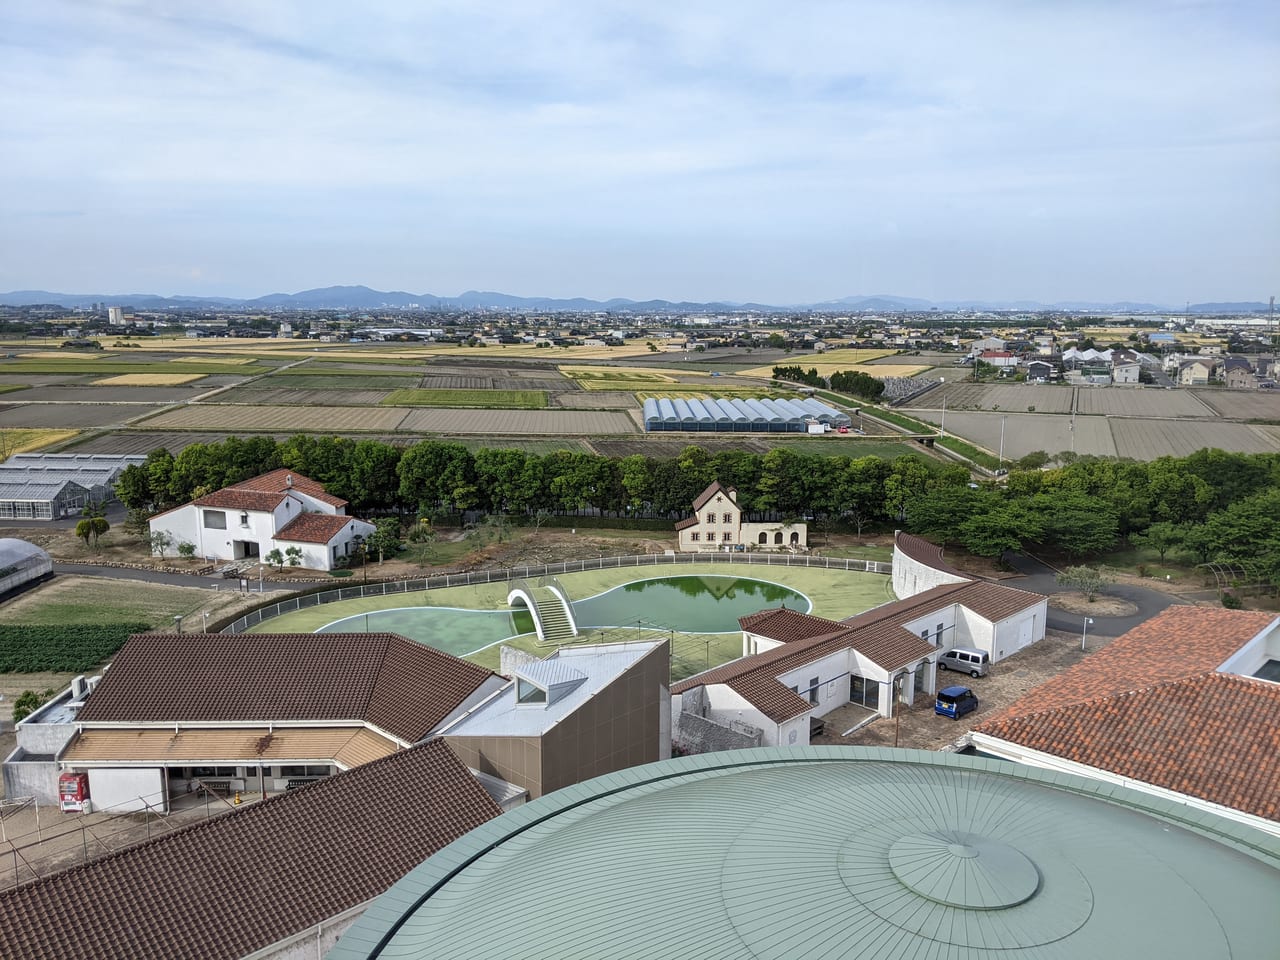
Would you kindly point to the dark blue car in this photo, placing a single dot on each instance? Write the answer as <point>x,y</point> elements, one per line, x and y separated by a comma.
<point>955,702</point>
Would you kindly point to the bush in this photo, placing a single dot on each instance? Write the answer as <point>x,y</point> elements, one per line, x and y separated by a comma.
<point>1231,600</point>
<point>29,701</point>
<point>186,550</point>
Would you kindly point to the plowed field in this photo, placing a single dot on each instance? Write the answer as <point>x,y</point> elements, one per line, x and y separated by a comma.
<point>1137,402</point>
<point>268,418</point>
<point>1148,439</point>
<point>1243,404</point>
<point>517,422</point>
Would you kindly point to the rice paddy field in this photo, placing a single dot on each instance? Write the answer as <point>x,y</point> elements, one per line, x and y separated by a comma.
<point>20,440</point>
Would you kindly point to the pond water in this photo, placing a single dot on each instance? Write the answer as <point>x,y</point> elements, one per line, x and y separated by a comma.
<point>707,604</point>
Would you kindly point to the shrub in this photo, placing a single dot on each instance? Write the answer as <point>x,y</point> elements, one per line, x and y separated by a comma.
<point>186,550</point>
<point>1231,600</point>
<point>28,648</point>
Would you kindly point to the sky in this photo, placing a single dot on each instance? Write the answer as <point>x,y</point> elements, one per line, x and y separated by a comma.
<point>781,152</point>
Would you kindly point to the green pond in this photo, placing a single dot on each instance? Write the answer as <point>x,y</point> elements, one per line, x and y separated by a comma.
<point>707,604</point>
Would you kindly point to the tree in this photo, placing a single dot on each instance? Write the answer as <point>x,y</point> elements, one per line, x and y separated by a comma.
<point>94,525</point>
<point>160,541</point>
<point>133,488</point>
<point>29,701</point>
<point>275,558</point>
<point>294,556</point>
<point>1088,580</point>
<point>385,539</point>
<point>186,549</point>
<point>1160,537</point>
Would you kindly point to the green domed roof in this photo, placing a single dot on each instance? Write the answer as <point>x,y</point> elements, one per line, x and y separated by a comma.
<point>829,852</point>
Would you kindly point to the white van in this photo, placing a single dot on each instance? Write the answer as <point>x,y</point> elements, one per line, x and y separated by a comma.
<point>965,660</point>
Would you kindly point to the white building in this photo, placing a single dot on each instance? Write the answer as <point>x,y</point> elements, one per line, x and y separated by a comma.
<point>796,668</point>
<point>277,510</point>
<point>115,316</point>
<point>717,524</point>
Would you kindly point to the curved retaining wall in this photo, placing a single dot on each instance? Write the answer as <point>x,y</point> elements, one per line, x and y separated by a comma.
<point>918,566</point>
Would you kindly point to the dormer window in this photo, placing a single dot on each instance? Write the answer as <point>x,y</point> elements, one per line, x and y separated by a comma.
<point>527,692</point>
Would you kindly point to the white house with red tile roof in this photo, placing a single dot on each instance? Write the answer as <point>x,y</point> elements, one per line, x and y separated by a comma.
<point>1185,706</point>
<point>717,525</point>
<point>276,510</point>
<point>796,667</point>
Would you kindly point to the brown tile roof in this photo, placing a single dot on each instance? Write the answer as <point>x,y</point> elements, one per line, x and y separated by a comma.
<point>229,499</point>
<point>705,496</point>
<point>877,634</point>
<point>686,523</point>
<point>283,480</point>
<point>225,887</point>
<point>347,746</point>
<point>403,687</point>
<point>924,551</point>
<point>1212,736</point>
<point>313,528</point>
<point>1180,641</point>
<point>786,625</point>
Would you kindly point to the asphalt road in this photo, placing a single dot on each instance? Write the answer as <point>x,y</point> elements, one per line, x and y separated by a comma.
<point>1039,577</point>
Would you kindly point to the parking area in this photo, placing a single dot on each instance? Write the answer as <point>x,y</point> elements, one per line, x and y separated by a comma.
<point>918,727</point>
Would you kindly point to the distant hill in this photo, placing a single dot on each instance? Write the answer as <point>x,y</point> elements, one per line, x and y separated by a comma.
<point>359,297</point>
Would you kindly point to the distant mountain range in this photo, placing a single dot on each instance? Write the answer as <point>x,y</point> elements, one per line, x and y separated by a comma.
<point>363,298</point>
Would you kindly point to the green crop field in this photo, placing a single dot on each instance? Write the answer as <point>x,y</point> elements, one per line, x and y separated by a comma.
<point>539,447</point>
<point>480,399</point>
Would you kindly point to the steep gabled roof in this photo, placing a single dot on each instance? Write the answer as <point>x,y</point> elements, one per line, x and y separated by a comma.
<point>315,851</point>
<point>400,686</point>
<point>1212,736</point>
<point>232,499</point>
<point>715,487</point>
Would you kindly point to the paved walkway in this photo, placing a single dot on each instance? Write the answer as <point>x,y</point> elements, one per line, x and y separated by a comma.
<point>1039,577</point>
<point>224,584</point>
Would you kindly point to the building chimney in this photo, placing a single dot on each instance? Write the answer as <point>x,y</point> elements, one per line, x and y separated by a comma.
<point>288,479</point>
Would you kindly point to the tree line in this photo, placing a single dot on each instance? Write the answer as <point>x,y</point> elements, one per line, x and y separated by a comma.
<point>1211,505</point>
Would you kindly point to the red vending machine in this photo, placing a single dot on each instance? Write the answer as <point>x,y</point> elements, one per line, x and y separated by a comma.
<point>73,792</point>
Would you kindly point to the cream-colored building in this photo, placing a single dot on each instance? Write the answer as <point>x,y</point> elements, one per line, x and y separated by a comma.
<point>717,524</point>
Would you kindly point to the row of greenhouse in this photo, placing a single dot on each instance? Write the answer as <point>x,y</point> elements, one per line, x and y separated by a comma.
<point>725,415</point>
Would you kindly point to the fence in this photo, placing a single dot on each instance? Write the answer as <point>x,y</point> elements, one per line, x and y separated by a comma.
<point>393,587</point>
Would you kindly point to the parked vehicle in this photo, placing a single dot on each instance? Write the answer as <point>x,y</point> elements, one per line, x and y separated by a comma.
<point>955,702</point>
<point>965,660</point>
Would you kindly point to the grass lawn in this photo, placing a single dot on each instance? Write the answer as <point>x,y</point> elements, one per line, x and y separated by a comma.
<point>74,599</point>
<point>858,552</point>
<point>1129,559</point>
<point>10,387</point>
<point>835,594</point>
<point>482,399</point>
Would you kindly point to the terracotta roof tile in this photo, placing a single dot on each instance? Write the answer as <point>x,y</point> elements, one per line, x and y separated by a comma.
<point>229,499</point>
<point>1180,641</point>
<point>403,687</point>
<point>1215,736</point>
<point>229,886</point>
<point>313,528</point>
<point>877,634</point>
<point>283,480</point>
<point>786,625</point>
<point>686,523</point>
<point>923,551</point>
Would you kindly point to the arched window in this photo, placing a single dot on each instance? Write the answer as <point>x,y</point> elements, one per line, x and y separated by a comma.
<point>795,537</point>
<point>777,537</point>
<point>764,538</point>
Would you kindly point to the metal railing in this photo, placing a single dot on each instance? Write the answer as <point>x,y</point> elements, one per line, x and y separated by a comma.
<point>393,587</point>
